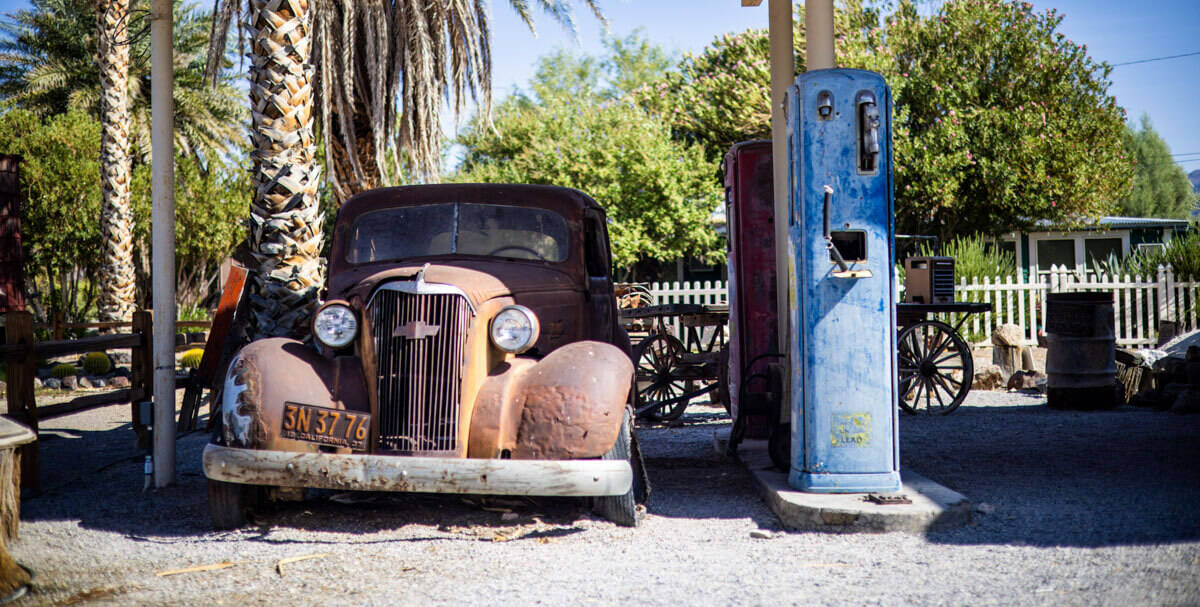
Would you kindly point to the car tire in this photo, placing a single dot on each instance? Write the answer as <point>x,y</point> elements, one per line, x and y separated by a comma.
<point>229,504</point>
<point>624,509</point>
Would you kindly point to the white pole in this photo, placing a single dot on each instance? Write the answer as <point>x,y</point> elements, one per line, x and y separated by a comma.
<point>162,119</point>
<point>783,74</point>
<point>818,27</point>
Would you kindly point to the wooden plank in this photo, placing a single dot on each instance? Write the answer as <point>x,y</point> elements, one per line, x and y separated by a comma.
<point>21,403</point>
<point>98,343</point>
<point>222,322</point>
<point>90,401</point>
<point>141,371</point>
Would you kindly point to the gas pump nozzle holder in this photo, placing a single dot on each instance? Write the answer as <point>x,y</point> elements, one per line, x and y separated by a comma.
<point>843,353</point>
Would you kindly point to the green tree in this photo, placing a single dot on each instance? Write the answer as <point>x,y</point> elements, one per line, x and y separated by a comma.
<point>61,234</point>
<point>576,130</point>
<point>210,222</point>
<point>1160,187</point>
<point>999,121</point>
<point>658,192</point>
<point>48,64</point>
<point>722,95</point>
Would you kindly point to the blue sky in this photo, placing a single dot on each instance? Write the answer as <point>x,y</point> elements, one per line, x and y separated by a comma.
<point>1116,31</point>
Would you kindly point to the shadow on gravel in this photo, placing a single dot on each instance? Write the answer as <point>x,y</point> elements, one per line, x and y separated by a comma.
<point>95,477</point>
<point>1062,478</point>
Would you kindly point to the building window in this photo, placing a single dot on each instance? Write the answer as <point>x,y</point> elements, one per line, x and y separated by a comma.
<point>1055,253</point>
<point>1100,249</point>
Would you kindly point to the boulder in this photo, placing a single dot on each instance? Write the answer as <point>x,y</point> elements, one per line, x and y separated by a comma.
<point>85,382</point>
<point>98,382</point>
<point>1025,380</point>
<point>70,382</point>
<point>1008,335</point>
<point>53,383</point>
<point>119,382</point>
<point>988,377</point>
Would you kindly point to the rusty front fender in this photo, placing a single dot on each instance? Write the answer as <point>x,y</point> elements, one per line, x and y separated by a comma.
<point>270,372</point>
<point>568,405</point>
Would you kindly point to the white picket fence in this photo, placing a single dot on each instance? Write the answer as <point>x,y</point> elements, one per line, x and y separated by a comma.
<point>713,292</point>
<point>1139,303</point>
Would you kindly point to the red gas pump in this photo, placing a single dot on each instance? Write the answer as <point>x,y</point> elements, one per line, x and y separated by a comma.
<point>754,372</point>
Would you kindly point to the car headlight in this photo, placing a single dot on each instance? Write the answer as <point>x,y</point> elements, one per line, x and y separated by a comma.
<point>334,325</point>
<point>515,329</point>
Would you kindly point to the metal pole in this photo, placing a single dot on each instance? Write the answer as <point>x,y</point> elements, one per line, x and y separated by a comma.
<point>783,73</point>
<point>818,27</point>
<point>162,119</point>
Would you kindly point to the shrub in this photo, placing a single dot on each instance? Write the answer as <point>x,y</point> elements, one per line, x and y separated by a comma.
<point>96,363</point>
<point>1181,254</point>
<point>975,257</point>
<point>63,370</point>
<point>191,358</point>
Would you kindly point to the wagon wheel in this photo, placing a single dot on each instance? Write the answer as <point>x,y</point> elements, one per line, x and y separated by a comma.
<point>658,361</point>
<point>936,368</point>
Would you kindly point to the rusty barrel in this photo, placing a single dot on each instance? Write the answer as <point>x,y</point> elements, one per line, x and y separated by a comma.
<point>1081,365</point>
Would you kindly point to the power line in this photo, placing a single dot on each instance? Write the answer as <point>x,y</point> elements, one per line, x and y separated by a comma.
<point>1187,154</point>
<point>1155,59</point>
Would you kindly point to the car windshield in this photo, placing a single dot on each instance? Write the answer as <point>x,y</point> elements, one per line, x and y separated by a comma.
<point>458,227</point>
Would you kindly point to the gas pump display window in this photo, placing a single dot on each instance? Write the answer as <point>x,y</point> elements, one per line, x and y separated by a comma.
<point>850,244</point>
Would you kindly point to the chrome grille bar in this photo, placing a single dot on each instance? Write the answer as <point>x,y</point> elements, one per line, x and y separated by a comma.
<point>420,342</point>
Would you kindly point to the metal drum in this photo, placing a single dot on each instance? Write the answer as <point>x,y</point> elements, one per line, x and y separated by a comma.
<point>1081,365</point>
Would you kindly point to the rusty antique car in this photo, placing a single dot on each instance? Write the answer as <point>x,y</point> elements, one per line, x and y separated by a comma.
<point>468,342</point>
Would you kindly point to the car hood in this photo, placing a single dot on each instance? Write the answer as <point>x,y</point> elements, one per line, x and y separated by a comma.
<point>480,280</point>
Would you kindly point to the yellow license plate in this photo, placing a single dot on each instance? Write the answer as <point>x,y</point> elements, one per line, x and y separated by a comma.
<point>326,426</point>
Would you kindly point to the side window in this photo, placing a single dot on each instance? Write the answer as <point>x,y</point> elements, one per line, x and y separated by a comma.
<point>596,255</point>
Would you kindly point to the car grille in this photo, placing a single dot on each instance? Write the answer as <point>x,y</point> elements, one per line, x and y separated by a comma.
<point>420,344</point>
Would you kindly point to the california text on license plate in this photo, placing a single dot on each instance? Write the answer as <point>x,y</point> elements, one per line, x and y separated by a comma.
<point>326,426</point>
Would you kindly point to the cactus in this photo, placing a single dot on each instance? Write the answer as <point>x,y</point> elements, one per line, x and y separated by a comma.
<point>63,370</point>
<point>96,363</point>
<point>191,358</point>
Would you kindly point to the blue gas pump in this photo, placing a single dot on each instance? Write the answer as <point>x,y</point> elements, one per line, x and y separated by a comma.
<point>843,313</point>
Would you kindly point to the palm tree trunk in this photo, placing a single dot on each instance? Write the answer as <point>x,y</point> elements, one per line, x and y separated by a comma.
<point>285,219</point>
<point>117,284</point>
<point>347,182</point>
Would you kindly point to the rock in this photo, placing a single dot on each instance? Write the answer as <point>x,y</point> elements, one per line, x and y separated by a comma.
<point>119,382</point>
<point>70,382</point>
<point>1027,359</point>
<point>1025,380</point>
<point>988,377</point>
<point>122,372</point>
<point>1188,401</point>
<point>53,383</point>
<point>1008,335</point>
<point>760,534</point>
<point>85,382</point>
<point>98,382</point>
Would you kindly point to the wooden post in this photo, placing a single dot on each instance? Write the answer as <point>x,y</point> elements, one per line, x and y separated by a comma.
<point>21,404</point>
<point>141,368</point>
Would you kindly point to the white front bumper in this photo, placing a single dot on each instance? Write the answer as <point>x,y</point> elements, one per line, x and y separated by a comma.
<point>590,477</point>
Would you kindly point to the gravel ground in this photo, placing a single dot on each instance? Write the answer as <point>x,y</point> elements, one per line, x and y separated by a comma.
<point>1082,509</point>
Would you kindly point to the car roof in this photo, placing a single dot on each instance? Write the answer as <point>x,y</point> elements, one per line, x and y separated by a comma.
<point>567,201</point>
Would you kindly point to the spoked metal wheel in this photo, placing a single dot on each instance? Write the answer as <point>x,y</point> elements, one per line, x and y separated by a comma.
<point>658,362</point>
<point>936,368</point>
